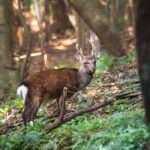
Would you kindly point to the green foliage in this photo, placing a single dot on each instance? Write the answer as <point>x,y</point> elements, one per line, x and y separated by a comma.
<point>27,2</point>
<point>22,140</point>
<point>124,130</point>
<point>126,59</point>
<point>121,131</point>
<point>122,105</point>
<point>104,62</point>
<point>19,103</point>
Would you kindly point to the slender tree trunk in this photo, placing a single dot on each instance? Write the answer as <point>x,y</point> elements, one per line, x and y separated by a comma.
<point>131,13</point>
<point>110,40</point>
<point>118,14</point>
<point>47,21</point>
<point>60,18</point>
<point>80,31</point>
<point>39,17</point>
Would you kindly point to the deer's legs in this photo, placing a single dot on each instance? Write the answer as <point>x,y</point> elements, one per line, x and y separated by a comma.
<point>31,108</point>
<point>35,106</point>
<point>26,112</point>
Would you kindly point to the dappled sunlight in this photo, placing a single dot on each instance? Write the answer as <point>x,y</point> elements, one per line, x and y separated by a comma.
<point>63,44</point>
<point>90,91</point>
<point>32,55</point>
<point>130,31</point>
<point>60,47</point>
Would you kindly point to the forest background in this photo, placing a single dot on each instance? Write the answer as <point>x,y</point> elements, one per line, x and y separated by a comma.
<point>42,34</point>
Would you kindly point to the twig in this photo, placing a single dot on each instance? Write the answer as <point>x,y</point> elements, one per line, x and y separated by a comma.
<point>129,94</point>
<point>78,113</point>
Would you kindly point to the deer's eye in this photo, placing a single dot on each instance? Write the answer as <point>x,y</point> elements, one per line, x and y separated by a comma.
<point>86,63</point>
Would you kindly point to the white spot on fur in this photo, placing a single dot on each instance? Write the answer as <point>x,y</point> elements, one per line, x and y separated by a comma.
<point>22,91</point>
<point>31,123</point>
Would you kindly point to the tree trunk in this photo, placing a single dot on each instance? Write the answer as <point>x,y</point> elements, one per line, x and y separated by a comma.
<point>131,13</point>
<point>109,39</point>
<point>47,22</point>
<point>118,13</point>
<point>80,31</point>
<point>60,18</point>
<point>143,49</point>
<point>7,36</point>
<point>5,30</point>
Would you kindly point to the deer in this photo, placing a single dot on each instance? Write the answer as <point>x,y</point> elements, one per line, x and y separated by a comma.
<point>35,87</point>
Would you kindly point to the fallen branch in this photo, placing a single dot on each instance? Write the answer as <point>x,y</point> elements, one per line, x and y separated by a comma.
<point>59,122</point>
<point>136,82</point>
<point>129,94</point>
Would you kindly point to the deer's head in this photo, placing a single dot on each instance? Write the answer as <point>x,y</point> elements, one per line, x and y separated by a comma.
<point>88,63</point>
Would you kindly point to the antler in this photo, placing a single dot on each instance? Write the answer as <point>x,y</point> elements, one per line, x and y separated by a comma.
<point>93,47</point>
<point>79,49</point>
<point>94,41</point>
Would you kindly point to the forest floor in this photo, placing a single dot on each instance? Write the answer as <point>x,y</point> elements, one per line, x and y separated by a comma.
<point>118,126</point>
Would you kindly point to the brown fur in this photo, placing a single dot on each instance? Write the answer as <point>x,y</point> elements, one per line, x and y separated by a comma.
<point>52,82</point>
<point>48,83</point>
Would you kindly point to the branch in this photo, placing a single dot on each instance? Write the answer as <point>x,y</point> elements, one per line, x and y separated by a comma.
<point>110,40</point>
<point>59,122</point>
<point>129,94</point>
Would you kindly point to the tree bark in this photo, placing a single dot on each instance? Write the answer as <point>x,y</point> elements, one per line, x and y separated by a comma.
<point>131,13</point>
<point>110,39</point>
<point>7,36</point>
<point>47,21</point>
<point>80,31</point>
<point>117,14</point>
<point>60,18</point>
<point>142,31</point>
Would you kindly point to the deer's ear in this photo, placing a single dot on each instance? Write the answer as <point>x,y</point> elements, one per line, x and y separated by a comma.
<point>78,57</point>
<point>97,54</point>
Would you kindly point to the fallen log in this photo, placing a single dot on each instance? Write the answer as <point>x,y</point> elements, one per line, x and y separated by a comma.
<point>72,115</point>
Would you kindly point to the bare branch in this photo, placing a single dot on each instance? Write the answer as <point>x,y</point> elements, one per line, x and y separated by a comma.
<point>59,122</point>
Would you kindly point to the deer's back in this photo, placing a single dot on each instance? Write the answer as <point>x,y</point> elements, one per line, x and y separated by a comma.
<point>52,82</point>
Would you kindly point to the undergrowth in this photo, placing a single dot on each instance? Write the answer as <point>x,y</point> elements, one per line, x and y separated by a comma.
<point>123,130</point>
<point>120,126</point>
